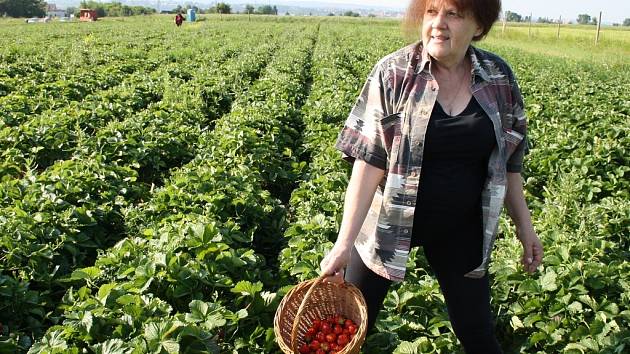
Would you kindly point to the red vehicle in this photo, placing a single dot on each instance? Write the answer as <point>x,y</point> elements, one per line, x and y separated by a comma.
<point>87,15</point>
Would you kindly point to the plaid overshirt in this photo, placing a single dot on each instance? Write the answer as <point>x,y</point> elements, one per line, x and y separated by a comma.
<point>386,128</point>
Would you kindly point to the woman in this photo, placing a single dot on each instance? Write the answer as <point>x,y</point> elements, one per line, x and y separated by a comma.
<point>437,138</point>
<point>179,19</point>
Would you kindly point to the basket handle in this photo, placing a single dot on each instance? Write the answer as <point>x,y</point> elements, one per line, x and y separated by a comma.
<point>300,310</point>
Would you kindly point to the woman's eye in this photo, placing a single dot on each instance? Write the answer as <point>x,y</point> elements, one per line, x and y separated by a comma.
<point>431,11</point>
<point>452,14</point>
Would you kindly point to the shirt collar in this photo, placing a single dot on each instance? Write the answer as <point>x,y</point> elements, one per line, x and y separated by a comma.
<point>424,66</point>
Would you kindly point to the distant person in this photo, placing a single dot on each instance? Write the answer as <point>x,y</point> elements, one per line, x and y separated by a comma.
<point>179,19</point>
<point>437,139</point>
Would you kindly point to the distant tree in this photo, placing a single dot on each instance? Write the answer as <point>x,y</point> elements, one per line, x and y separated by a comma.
<point>371,15</point>
<point>331,14</point>
<point>70,10</point>
<point>513,17</point>
<point>23,8</point>
<point>584,19</point>
<point>224,8</point>
<point>544,20</point>
<point>351,14</point>
<point>626,22</point>
<point>287,14</point>
<point>267,10</point>
<point>594,20</point>
<point>249,9</point>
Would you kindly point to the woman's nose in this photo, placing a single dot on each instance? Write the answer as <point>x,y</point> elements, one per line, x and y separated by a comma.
<point>439,21</point>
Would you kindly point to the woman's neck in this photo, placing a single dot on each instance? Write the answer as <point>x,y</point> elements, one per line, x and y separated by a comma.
<point>447,71</point>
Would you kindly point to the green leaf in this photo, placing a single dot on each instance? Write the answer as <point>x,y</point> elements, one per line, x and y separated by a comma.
<point>563,251</point>
<point>406,348</point>
<point>111,346</point>
<point>244,287</point>
<point>516,322</point>
<point>104,291</point>
<point>548,281</point>
<point>529,286</point>
<point>86,321</point>
<point>85,273</point>
<point>575,348</point>
<point>575,307</point>
<point>171,346</point>
<point>198,311</point>
<point>51,342</point>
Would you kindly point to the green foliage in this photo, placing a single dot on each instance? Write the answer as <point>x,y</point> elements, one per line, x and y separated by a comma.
<point>584,19</point>
<point>223,8</point>
<point>23,8</point>
<point>115,9</point>
<point>267,10</point>
<point>160,195</point>
<point>512,17</point>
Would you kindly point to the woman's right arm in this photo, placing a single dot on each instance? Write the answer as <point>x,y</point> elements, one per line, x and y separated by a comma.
<point>363,183</point>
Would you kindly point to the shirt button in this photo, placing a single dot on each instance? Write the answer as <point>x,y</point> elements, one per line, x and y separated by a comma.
<point>432,88</point>
<point>405,231</point>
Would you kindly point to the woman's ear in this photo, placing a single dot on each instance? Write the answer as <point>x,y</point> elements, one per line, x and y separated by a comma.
<point>479,31</point>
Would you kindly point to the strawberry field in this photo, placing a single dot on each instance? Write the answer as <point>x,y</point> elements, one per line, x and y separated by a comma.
<point>162,188</point>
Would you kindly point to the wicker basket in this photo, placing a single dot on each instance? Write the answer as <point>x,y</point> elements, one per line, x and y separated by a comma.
<point>316,299</point>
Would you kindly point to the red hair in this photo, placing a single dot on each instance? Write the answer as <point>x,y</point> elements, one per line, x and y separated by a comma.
<point>485,12</point>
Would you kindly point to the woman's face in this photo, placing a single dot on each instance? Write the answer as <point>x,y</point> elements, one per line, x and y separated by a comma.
<point>447,32</point>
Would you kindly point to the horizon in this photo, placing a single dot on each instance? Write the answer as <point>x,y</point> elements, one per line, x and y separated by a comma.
<point>613,11</point>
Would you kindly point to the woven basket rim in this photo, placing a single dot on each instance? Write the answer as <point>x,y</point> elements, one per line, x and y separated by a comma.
<point>292,297</point>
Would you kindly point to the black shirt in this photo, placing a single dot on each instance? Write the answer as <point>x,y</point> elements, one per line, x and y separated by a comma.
<point>454,170</point>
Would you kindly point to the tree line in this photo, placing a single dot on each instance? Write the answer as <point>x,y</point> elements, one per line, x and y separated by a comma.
<point>115,9</point>
<point>224,8</point>
<point>22,8</point>
<point>582,19</point>
<point>37,8</point>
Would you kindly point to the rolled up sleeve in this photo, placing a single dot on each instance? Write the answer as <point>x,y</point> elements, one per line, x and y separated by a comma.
<point>362,135</point>
<point>519,127</point>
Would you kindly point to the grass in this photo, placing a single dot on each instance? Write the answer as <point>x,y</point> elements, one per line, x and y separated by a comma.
<point>576,42</point>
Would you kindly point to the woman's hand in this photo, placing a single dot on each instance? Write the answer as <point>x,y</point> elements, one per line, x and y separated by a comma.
<point>532,249</point>
<point>334,264</point>
<point>517,208</point>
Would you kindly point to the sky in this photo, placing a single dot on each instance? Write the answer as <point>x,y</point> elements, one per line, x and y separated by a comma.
<point>612,10</point>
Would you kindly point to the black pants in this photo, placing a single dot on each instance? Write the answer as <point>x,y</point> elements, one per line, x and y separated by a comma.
<point>467,299</point>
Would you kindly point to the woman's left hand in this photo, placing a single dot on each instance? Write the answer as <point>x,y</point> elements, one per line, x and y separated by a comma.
<point>532,249</point>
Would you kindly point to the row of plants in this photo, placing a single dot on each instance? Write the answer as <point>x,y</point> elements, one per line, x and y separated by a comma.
<point>34,98</point>
<point>164,136</point>
<point>190,275</point>
<point>55,221</point>
<point>577,186</point>
<point>59,134</point>
<point>38,80</point>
